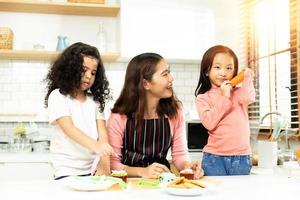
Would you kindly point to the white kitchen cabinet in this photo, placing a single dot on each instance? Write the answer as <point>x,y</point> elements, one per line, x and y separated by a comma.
<point>26,171</point>
<point>25,166</point>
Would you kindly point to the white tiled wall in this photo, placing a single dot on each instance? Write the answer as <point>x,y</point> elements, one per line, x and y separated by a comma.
<point>22,88</point>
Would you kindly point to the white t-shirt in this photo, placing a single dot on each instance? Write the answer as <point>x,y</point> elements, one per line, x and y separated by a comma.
<point>69,157</point>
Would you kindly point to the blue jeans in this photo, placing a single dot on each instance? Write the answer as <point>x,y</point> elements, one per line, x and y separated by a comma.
<point>214,165</point>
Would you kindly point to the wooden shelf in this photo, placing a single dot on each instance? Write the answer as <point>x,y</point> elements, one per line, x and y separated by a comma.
<point>67,8</point>
<point>14,114</point>
<point>45,55</point>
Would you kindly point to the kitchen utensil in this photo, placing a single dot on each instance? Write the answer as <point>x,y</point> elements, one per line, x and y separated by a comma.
<point>267,154</point>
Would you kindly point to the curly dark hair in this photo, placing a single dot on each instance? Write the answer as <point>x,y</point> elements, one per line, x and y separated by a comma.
<point>67,70</point>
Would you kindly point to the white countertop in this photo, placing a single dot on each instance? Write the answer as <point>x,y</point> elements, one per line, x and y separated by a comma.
<point>230,187</point>
<point>45,157</point>
<point>255,186</point>
<point>24,157</point>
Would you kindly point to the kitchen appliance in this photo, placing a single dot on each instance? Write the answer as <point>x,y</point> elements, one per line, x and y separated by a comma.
<point>41,146</point>
<point>5,141</point>
<point>41,143</point>
<point>197,135</point>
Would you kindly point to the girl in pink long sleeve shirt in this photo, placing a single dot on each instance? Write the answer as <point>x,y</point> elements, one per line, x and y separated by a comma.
<point>223,111</point>
<point>147,120</point>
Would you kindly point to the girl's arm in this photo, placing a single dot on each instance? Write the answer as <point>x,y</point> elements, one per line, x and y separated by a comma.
<point>104,163</point>
<point>59,111</point>
<point>66,124</point>
<point>180,155</point>
<point>211,115</point>
<point>115,127</point>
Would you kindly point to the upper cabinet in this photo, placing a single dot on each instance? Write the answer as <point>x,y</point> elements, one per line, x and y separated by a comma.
<point>45,55</point>
<point>64,8</point>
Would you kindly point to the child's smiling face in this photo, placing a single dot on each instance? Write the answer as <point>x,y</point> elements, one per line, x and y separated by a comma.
<point>90,65</point>
<point>222,69</point>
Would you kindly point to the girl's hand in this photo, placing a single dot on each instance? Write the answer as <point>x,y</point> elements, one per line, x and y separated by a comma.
<point>104,149</point>
<point>101,171</point>
<point>103,166</point>
<point>198,171</point>
<point>226,89</point>
<point>153,170</point>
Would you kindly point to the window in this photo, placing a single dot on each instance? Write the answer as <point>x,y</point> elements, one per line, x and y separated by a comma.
<point>273,54</point>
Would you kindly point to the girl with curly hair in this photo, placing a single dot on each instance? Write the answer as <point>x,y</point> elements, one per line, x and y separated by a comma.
<point>77,90</point>
<point>147,120</point>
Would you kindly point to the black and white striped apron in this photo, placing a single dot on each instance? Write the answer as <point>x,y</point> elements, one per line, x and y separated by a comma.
<point>148,146</point>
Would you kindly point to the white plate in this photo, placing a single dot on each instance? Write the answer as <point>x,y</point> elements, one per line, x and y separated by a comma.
<point>89,183</point>
<point>185,192</point>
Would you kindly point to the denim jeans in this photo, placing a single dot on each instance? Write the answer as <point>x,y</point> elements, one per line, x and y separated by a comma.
<point>214,165</point>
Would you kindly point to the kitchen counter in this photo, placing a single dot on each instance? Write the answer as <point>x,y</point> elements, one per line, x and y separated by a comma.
<point>45,157</point>
<point>25,166</point>
<point>254,186</point>
<point>24,157</point>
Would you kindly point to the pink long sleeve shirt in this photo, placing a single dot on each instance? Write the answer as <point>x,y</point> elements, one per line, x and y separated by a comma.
<point>116,129</point>
<point>227,118</point>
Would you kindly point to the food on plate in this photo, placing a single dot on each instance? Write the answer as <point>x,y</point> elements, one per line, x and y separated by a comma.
<point>120,174</point>
<point>166,177</point>
<point>187,173</point>
<point>184,183</point>
<point>237,79</point>
<point>149,183</point>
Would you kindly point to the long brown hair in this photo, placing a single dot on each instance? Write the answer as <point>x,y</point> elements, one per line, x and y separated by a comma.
<point>207,60</point>
<point>132,100</point>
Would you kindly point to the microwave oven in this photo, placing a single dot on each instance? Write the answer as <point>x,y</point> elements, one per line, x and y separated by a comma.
<point>197,136</point>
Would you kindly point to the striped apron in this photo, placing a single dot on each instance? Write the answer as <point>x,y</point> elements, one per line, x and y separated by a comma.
<point>148,146</point>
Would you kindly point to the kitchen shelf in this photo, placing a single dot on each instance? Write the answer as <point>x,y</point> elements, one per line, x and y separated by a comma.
<point>45,55</point>
<point>64,8</point>
<point>13,114</point>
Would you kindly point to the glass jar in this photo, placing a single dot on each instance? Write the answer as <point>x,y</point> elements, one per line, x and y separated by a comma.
<point>21,144</point>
